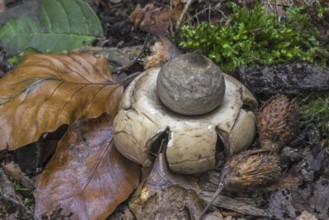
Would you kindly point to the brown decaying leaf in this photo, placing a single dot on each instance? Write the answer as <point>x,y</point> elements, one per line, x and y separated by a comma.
<point>47,91</point>
<point>174,202</point>
<point>87,176</point>
<point>163,191</point>
<point>152,19</point>
<point>162,51</point>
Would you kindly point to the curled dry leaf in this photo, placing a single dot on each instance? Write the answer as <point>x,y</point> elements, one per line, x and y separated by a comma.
<point>87,177</point>
<point>174,202</point>
<point>305,215</point>
<point>47,91</point>
<point>162,191</point>
<point>162,51</point>
<point>151,19</point>
<point>277,122</point>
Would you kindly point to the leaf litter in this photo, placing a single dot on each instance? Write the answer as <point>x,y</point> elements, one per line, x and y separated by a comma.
<point>59,88</point>
<point>87,178</point>
<point>163,194</point>
<point>279,213</point>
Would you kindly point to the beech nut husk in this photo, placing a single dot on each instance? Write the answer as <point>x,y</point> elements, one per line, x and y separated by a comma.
<point>277,122</point>
<point>250,169</point>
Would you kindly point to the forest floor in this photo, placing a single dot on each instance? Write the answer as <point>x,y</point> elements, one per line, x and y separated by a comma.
<point>132,28</point>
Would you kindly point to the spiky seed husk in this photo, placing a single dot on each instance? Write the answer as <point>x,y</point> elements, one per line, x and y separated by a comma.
<point>251,169</point>
<point>277,122</point>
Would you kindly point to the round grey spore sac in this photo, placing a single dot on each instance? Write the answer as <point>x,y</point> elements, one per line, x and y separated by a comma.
<point>191,84</point>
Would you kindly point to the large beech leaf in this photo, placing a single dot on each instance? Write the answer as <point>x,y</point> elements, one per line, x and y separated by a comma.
<point>60,25</point>
<point>86,177</point>
<point>47,91</point>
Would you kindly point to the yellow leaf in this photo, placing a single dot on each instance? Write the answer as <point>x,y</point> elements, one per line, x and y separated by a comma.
<point>47,91</point>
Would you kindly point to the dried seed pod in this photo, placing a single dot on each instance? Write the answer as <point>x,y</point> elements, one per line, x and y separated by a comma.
<point>250,169</point>
<point>277,122</point>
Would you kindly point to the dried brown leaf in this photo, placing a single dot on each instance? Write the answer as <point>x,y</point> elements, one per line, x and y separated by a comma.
<point>174,202</point>
<point>87,177</point>
<point>162,51</point>
<point>163,190</point>
<point>151,19</point>
<point>47,91</point>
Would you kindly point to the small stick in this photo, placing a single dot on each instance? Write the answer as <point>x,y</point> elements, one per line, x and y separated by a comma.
<point>125,82</point>
<point>178,23</point>
<point>218,191</point>
<point>2,6</point>
<point>136,58</point>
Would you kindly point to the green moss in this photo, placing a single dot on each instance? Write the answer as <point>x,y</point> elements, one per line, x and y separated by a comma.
<point>317,110</point>
<point>255,36</point>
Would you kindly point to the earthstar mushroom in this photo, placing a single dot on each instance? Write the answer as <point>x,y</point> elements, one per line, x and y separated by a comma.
<point>192,137</point>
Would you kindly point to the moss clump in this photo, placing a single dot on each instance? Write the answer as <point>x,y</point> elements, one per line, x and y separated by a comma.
<point>317,110</point>
<point>254,36</point>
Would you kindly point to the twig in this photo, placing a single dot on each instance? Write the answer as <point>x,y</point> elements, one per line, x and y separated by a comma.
<point>210,9</point>
<point>136,58</point>
<point>125,82</point>
<point>218,191</point>
<point>178,23</point>
<point>237,206</point>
